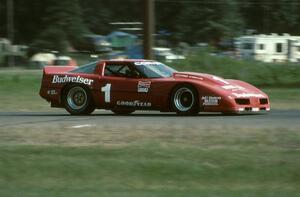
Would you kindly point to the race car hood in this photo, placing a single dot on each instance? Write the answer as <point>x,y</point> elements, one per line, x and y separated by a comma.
<point>202,77</point>
<point>235,88</point>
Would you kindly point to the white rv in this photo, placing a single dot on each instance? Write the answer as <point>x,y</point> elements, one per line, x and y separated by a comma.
<point>270,48</point>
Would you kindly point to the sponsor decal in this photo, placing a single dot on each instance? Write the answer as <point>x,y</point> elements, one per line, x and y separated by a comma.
<point>211,100</point>
<point>66,78</point>
<point>135,103</point>
<point>181,75</point>
<point>247,95</point>
<point>220,80</point>
<point>187,76</point>
<point>233,87</point>
<point>52,92</point>
<point>143,86</point>
<point>195,77</point>
<point>145,63</point>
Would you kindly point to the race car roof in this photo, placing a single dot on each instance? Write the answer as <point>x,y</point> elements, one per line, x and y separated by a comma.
<point>128,60</point>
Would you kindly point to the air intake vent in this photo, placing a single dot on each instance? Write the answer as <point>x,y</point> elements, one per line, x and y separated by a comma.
<point>242,101</point>
<point>263,101</point>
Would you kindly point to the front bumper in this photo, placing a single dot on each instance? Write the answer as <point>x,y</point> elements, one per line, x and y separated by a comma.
<point>240,105</point>
<point>253,109</point>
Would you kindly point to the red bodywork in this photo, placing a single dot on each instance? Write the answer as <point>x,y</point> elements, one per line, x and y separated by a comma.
<point>215,94</point>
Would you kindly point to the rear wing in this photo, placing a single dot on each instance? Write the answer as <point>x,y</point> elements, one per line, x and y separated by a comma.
<point>50,71</point>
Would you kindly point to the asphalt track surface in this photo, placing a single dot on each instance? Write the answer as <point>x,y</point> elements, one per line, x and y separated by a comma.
<point>106,119</point>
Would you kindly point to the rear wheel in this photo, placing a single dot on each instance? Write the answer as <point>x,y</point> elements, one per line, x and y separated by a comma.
<point>123,111</point>
<point>77,100</point>
<point>184,100</point>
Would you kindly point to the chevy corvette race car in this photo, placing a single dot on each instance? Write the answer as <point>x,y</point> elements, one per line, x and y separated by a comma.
<point>124,86</point>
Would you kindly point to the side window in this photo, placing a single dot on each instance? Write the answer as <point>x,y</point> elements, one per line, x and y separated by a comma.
<point>247,46</point>
<point>279,47</point>
<point>117,70</point>
<point>261,47</point>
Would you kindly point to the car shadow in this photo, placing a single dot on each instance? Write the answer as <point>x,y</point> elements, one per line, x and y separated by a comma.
<point>109,114</point>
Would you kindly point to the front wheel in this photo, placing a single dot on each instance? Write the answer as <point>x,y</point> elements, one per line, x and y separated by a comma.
<point>78,101</point>
<point>184,100</point>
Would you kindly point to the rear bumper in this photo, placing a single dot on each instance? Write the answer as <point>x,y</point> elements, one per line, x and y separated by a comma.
<point>51,95</point>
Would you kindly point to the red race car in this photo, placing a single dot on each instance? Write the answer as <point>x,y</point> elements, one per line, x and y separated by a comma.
<point>124,86</point>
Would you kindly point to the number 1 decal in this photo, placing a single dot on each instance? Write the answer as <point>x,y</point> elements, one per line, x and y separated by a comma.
<point>106,90</point>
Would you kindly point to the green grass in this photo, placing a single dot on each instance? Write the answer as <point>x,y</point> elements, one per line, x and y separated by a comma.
<point>237,168</point>
<point>284,98</point>
<point>206,162</point>
<point>19,90</point>
<point>257,73</point>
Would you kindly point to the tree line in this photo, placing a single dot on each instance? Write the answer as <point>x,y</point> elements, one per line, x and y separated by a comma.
<point>57,24</point>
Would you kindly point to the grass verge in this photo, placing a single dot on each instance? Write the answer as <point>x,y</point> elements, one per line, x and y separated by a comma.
<point>239,163</point>
<point>208,162</point>
<point>257,73</point>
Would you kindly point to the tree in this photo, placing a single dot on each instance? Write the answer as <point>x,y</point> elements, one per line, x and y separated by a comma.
<point>209,21</point>
<point>99,14</point>
<point>52,39</point>
<point>65,26</point>
<point>285,16</point>
<point>186,20</point>
<point>3,21</point>
<point>272,16</point>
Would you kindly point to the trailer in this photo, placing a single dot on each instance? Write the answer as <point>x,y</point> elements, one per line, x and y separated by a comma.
<point>269,48</point>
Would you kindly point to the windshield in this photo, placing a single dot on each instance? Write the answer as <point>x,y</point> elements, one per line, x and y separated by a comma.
<point>154,69</point>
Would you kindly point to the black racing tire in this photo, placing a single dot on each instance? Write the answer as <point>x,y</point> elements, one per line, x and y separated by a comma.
<point>77,100</point>
<point>123,111</point>
<point>184,100</point>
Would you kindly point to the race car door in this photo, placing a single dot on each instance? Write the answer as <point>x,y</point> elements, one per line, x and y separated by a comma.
<point>123,87</point>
